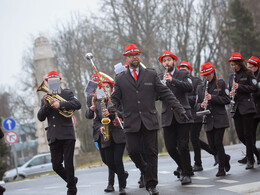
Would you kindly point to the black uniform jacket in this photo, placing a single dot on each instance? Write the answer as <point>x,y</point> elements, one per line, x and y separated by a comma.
<point>59,127</point>
<point>219,98</point>
<point>247,85</point>
<point>181,85</point>
<point>138,98</point>
<point>89,113</point>
<point>196,81</point>
<point>256,95</point>
<point>116,132</point>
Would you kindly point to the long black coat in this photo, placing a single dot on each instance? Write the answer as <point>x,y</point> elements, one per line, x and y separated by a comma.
<point>138,99</point>
<point>180,86</point>
<point>247,85</point>
<point>116,132</point>
<point>219,98</point>
<point>59,127</point>
<point>256,95</point>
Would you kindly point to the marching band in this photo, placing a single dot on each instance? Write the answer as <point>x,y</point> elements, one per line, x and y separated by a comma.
<point>124,116</point>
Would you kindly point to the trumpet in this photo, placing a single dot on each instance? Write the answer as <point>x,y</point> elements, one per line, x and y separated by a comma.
<point>164,75</point>
<point>55,97</point>
<point>205,112</point>
<point>232,102</point>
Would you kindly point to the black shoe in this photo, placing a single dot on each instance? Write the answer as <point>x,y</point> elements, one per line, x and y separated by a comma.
<point>141,181</point>
<point>220,173</point>
<point>185,180</point>
<point>177,172</point>
<point>197,168</point>
<point>110,188</point>
<point>243,160</point>
<point>152,191</point>
<point>249,165</point>
<point>216,160</point>
<point>2,189</point>
<point>72,191</point>
<point>227,164</point>
<point>122,191</point>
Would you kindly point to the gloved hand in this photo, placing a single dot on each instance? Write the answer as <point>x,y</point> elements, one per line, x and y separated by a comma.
<point>111,109</point>
<point>183,116</point>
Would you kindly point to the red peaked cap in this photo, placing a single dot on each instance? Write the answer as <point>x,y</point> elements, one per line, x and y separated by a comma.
<point>206,68</point>
<point>187,64</point>
<point>235,56</point>
<point>107,80</point>
<point>254,60</point>
<point>52,74</point>
<point>95,77</point>
<point>167,53</point>
<point>131,49</point>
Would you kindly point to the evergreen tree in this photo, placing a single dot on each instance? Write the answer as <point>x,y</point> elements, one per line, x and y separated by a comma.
<point>241,30</point>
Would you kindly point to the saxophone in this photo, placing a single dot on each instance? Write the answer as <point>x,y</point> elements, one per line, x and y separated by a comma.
<point>105,121</point>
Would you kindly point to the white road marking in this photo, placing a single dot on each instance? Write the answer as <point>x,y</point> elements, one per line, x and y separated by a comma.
<point>199,178</point>
<point>165,172</point>
<point>226,181</point>
<point>248,188</point>
<point>197,186</point>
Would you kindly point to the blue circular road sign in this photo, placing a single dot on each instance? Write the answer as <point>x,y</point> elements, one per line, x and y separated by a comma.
<point>9,124</point>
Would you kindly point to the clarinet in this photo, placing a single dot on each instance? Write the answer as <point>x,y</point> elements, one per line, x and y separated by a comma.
<point>232,102</point>
<point>205,112</point>
<point>165,72</point>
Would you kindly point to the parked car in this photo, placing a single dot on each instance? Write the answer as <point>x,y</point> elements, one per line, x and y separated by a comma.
<point>40,163</point>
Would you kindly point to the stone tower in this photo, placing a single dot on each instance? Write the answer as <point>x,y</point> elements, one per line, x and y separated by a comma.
<point>43,63</point>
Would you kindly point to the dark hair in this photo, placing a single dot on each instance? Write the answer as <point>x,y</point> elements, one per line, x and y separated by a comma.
<point>241,64</point>
<point>216,81</point>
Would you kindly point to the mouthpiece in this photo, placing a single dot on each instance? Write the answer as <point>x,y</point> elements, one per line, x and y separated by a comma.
<point>89,56</point>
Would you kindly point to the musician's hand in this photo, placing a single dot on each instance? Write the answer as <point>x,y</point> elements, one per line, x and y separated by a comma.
<point>94,95</point>
<point>92,107</point>
<point>203,104</point>
<point>235,86</point>
<point>232,93</point>
<point>168,77</point>
<point>56,105</point>
<point>102,130</point>
<point>184,117</point>
<point>106,113</point>
<point>208,96</point>
<point>45,100</point>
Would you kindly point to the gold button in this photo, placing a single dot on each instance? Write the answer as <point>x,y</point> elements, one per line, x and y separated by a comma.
<point>53,117</point>
<point>137,91</point>
<point>140,112</point>
<point>54,125</point>
<point>138,102</point>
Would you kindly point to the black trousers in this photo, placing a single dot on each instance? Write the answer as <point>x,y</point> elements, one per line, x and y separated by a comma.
<point>144,140</point>
<point>111,173</point>
<point>255,124</point>
<point>176,138</point>
<point>63,150</point>
<point>215,139</point>
<point>198,144</point>
<point>114,158</point>
<point>244,125</point>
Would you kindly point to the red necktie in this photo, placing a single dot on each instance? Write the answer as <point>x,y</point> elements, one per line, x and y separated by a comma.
<point>135,75</point>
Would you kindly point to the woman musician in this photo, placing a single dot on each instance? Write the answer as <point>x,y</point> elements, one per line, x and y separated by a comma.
<point>244,109</point>
<point>215,99</point>
<point>114,146</point>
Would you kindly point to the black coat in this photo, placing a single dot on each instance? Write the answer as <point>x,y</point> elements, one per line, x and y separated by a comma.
<point>247,85</point>
<point>256,95</point>
<point>138,99</point>
<point>89,113</point>
<point>196,81</point>
<point>59,127</point>
<point>219,98</point>
<point>180,86</point>
<point>116,132</point>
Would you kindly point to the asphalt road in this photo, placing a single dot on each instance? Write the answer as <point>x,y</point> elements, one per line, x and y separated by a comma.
<point>92,181</point>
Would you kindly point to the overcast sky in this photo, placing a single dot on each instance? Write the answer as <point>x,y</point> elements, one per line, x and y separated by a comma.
<point>22,19</point>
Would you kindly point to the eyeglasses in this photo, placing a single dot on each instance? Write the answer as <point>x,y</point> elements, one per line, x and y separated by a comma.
<point>133,55</point>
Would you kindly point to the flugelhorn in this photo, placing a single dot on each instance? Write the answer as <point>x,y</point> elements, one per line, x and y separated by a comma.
<point>205,111</point>
<point>90,56</point>
<point>55,97</point>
